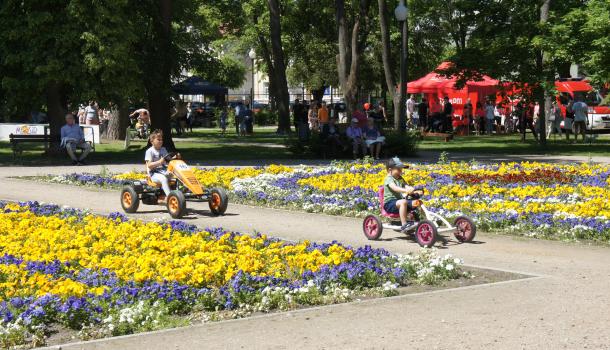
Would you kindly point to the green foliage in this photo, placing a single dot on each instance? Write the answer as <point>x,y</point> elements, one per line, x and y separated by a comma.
<point>266,117</point>
<point>401,144</point>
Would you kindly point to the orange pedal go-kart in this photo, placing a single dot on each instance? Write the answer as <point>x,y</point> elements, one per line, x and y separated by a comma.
<point>184,187</point>
<point>426,226</point>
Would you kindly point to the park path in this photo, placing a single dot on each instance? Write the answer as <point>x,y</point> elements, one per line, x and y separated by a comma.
<point>568,307</point>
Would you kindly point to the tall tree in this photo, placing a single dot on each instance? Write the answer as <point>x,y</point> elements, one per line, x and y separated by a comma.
<point>351,48</point>
<point>280,82</point>
<point>386,57</point>
<point>41,58</point>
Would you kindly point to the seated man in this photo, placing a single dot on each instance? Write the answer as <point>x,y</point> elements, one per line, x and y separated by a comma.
<point>356,137</point>
<point>72,137</point>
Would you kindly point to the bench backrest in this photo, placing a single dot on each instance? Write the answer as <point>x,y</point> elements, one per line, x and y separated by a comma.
<point>29,137</point>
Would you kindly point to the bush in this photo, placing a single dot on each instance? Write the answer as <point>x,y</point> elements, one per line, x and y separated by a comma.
<point>397,144</point>
<point>266,117</point>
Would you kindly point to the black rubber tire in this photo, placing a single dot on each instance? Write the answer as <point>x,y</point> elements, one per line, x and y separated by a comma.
<point>176,204</point>
<point>218,193</point>
<point>372,227</point>
<point>431,231</point>
<point>465,238</point>
<point>129,199</point>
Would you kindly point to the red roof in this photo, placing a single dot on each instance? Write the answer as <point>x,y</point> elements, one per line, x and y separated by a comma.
<point>434,83</point>
<point>572,85</point>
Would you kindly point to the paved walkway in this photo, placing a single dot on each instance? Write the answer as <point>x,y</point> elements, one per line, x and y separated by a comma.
<point>568,308</point>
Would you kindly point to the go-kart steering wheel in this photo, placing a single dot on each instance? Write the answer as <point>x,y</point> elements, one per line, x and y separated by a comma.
<point>169,156</point>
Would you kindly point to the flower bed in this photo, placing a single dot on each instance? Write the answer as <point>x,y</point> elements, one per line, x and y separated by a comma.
<point>104,276</point>
<point>535,199</point>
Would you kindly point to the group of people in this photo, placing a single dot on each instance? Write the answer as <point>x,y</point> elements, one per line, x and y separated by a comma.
<point>364,134</point>
<point>92,114</point>
<point>488,117</point>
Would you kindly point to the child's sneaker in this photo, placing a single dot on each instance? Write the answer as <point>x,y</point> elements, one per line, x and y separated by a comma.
<point>407,225</point>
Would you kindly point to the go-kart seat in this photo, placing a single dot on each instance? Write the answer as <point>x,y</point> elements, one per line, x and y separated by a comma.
<point>150,182</point>
<point>383,212</point>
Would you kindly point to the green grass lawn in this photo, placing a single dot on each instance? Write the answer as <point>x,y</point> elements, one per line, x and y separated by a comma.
<point>208,144</point>
<point>511,144</point>
<point>200,146</point>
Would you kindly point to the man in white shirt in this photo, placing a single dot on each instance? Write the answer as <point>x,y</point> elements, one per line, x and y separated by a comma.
<point>410,110</point>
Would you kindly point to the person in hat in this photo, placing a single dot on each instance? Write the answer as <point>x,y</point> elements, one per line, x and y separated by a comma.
<point>356,136</point>
<point>394,188</point>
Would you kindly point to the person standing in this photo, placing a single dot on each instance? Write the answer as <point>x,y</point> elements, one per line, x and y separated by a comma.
<point>490,117</point>
<point>383,112</point>
<point>312,116</point>
<point>468,114</point>
<point>447,114</point>
<point>91,114</point>
<point>581,119</point>
<point>249,119</point>
<point>323,117</point>
<point>239,113</point>
<point>296,110</point>
<point>479,118</point>
<point>410,110</point>
<point>555,120</point>
<point>223,119</point>
<point>569,121</point>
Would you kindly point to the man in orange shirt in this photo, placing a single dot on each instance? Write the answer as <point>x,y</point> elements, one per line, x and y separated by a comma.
<point>323,118</point>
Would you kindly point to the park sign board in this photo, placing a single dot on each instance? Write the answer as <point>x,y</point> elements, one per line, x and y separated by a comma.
<point>92,132</point>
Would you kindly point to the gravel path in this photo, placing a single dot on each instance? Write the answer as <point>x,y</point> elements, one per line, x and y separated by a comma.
<point>567,308</point>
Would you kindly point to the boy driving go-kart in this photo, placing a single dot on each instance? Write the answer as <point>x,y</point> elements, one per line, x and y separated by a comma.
<point>156,163</point>
<point>400,201</point>
<point>170,181</point>
<point>398,198</point>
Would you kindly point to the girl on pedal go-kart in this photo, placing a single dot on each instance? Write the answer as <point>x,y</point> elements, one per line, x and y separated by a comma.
<point>395,191</point>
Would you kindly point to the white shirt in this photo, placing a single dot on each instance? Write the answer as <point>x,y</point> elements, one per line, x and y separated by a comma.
<point>410,105</point>
<point>91,112</point>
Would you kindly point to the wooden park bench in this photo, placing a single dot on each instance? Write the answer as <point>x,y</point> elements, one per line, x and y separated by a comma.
<point>446,136</point>
<point>17,140</point>
<point>45,139</point>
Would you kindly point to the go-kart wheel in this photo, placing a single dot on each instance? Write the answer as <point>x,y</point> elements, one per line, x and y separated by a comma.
<point>129,199</point>
<point>176,204</point>
<point>465,229</point>
<point>372,227</point>
<point>426,233</point>
<point>219,200</point>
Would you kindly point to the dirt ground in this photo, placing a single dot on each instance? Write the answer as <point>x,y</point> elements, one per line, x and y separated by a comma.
<point>567,306</point>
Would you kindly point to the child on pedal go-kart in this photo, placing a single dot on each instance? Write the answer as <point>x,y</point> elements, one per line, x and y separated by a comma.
<point>156,163</point>
<point>395,191</point>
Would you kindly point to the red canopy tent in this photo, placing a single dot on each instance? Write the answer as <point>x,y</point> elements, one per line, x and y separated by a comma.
<point>436,87</point>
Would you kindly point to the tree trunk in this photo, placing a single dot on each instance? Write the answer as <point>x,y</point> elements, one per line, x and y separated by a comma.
<point>545,102</point>
<point>158,89</point>
<point>118,123</point>
<point>349,83</point>
<point>387,64</point>
<point>279,67</point>
<point>56,109</point>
